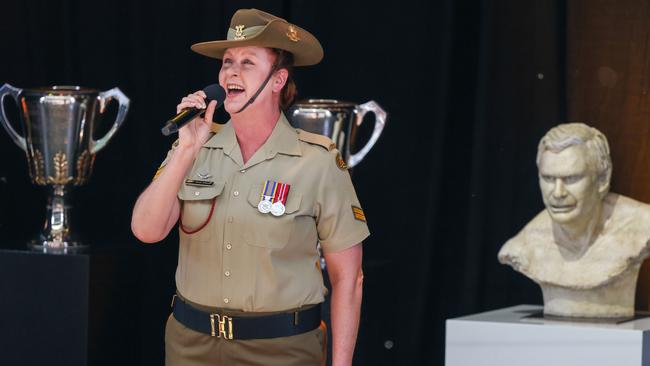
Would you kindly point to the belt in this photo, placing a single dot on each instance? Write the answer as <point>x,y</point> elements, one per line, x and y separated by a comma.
<point>249,327</point>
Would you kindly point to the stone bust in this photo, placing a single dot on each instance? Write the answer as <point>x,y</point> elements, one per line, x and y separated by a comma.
<point>585,249</point>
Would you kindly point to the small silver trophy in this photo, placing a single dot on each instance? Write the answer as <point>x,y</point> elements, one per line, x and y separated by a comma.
<point>58,124</point>
<point>339,121</point>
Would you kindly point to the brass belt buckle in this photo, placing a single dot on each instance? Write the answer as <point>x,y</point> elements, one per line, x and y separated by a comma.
<point>221,325</point>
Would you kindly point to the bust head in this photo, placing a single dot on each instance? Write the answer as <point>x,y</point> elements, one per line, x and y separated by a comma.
<point>574,173</point>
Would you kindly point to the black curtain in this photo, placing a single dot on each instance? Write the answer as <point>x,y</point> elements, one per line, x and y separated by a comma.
<point>470,86</point>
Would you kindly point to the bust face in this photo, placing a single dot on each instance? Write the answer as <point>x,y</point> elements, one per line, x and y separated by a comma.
<point>569,185</point>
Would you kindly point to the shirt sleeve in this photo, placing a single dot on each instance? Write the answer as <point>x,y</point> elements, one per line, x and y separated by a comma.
<point>341,222</point>
<point>162,165</point>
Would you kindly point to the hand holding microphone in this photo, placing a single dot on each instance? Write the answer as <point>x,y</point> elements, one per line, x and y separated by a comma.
<point>193,105</point>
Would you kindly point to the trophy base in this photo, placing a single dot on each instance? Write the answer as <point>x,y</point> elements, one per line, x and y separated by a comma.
<point>57,247</point>
<point>56,237</point>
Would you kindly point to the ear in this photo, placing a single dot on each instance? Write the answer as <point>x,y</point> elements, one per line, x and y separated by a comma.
<point>280,80</point>
<point>603,182</point>
<point>603,188</point>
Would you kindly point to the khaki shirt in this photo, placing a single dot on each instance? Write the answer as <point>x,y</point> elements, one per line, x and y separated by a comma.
<point>246,260</point>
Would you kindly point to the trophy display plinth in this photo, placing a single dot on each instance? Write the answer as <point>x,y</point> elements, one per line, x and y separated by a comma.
<point>73,310</point>
<point>519,336</point>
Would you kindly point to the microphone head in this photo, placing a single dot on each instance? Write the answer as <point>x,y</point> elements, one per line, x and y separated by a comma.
<point>214,92</point>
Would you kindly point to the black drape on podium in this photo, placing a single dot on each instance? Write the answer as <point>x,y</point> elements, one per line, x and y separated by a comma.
<point>77,309</point>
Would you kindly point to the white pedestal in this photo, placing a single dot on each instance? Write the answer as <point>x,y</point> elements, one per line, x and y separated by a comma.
<point>510,337</point>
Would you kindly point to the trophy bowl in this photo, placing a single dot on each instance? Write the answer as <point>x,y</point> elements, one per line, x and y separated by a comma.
<point>339,121</point>
<point>58,124</point>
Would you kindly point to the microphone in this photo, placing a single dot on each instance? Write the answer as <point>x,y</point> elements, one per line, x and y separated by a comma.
<point>212,92</point>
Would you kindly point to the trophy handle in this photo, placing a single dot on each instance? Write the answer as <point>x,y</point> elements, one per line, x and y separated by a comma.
<point>14,92</point>
<point>105,98</point>
<point>380,122</point>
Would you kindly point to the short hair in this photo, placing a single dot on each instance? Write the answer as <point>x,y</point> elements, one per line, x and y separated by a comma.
<point>566,135</point>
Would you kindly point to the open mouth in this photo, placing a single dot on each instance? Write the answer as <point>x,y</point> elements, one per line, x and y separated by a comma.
<point>234,90</point>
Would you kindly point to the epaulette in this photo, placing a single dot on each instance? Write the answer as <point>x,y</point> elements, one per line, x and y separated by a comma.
<point>316,139</point>
<point>215,128</point>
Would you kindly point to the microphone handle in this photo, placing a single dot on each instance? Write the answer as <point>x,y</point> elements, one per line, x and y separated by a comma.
<point>180,120</point>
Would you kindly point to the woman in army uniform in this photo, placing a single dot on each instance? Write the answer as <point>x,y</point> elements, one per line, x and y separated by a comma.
<point>252,200</point>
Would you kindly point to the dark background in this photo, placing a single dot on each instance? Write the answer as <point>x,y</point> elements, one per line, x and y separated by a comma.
<point>470,87</point>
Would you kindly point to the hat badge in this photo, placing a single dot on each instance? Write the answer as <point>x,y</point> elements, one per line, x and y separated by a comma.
<point>239,32</point>
<point>292,34</point>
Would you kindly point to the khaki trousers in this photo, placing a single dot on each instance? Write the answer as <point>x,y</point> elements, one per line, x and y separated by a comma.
<point>186,347</point>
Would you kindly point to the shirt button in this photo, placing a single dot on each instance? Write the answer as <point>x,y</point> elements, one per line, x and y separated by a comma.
<point>230,219</point>
<point>228,246</point>
<point>197,193</point>
<point>226,300</point>
<point>227,273</point>
<point>235,193</point>
<point>243,171</point>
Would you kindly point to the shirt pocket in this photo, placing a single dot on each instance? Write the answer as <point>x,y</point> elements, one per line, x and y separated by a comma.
<point>267,230</point>
<point>196,203</point>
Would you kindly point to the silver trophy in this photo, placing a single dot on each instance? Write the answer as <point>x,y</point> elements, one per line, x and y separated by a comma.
<point>58,124</point>
<point>339,121</point>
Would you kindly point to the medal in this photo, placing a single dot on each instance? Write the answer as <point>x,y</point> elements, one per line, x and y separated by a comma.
<point>264,207</point>
<point>280,199</point>
<point>268,191</point>
<point>277,209</point>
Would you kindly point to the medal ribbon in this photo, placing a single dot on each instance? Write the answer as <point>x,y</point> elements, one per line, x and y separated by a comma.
<point>273,191</point>
<point>268,190</point>
<point>281,194</point>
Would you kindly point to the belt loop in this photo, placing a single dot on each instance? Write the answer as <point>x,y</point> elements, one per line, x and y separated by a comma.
<point>173,301</point>
<point>295,318</point>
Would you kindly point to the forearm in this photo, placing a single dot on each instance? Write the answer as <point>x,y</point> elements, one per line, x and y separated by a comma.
<point>345,309</point>
<point>156,210</point>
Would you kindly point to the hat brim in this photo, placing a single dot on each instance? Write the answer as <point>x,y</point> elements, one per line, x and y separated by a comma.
<point>306,51</point>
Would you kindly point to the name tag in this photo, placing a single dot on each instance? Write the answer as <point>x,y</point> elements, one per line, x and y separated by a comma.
<point>199,183</point>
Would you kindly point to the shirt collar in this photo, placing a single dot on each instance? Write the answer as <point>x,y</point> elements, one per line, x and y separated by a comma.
<point>283,139</point>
